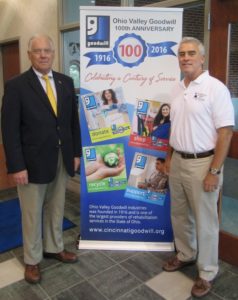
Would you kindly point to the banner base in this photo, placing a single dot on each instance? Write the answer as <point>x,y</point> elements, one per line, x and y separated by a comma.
<point>129,246</point>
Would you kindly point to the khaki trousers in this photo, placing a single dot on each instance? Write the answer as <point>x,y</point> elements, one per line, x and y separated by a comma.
<point>194,214</point>
<point>42,208</point>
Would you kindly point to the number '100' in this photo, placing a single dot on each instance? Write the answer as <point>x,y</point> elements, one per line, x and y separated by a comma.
<point>129,50</point>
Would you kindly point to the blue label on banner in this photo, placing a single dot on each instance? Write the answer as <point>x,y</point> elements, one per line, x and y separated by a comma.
<point>160,49</point>
<point>140,161</point>
<point>142,107</point>
<point>157,198</point>
<point>97,31</point>
<point>100,58</point>
<point>90,102</point>
<point>120,129</point>
<point>145,196</point>
<point>90,154</point>
<point>112,182</point>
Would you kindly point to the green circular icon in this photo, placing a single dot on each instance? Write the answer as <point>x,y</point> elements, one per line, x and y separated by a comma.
<point>111,159</point>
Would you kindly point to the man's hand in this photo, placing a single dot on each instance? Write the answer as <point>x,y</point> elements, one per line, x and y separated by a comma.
<point>20,177</point>
<point>168,160</point>
<point>210,182</point>
<point>167,165</point>
<point>76,164</point>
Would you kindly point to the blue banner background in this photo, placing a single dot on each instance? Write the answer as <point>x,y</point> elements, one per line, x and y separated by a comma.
<point>155,230</point>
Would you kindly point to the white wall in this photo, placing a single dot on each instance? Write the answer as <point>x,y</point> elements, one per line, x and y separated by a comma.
<point>20,19</point>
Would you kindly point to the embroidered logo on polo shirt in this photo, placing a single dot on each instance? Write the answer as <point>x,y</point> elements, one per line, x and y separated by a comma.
<point>199,96</point>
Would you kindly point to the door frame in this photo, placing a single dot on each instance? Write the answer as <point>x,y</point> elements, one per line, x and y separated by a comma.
<point>222,14</point>
<point>9,66</point>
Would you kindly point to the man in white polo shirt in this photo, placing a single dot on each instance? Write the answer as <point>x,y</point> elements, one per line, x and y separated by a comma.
<point>202,118</point>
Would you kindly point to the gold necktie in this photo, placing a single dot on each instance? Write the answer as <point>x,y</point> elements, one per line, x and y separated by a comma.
<point>50,93</point>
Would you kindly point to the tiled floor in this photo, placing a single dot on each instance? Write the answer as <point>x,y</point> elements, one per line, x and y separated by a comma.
<point>105,275</point>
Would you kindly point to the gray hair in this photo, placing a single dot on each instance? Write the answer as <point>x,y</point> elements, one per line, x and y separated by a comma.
<point>195,41</point>
<point>36,36</point>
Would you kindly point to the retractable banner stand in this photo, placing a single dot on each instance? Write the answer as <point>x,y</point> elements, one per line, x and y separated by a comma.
<point>128,67</point>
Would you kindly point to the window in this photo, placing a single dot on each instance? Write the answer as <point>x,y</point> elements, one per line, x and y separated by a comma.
<point>71,63</point>
<point>233,61</point>
<point>69,29</point>
<point>70,10</point>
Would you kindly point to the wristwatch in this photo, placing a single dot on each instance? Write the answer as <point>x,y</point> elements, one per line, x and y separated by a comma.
<point>214,171</point>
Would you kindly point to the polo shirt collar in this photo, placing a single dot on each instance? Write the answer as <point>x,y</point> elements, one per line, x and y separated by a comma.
<point>199,79</point>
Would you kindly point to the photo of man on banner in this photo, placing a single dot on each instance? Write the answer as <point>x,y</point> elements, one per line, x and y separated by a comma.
<point>147,181</point>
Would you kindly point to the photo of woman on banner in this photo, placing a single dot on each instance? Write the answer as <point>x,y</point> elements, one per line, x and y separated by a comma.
<point>150,125</point>
<point>109,100</point>
<point>161,124</point>
<point>113,109</point>
<point>106,109</point>
<point>158,180</point>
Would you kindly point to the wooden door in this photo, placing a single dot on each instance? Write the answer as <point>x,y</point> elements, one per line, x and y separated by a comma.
<point>10,60</point>
<point>223,13</point>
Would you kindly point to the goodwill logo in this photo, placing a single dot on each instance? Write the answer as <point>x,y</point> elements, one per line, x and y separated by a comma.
<point>90,154</point>
<point>90,102</point>
<point>140,161</point>
<point>97,31</point>
<point>142,108</point>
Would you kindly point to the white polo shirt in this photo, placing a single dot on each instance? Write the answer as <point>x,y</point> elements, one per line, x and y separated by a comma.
<point>197,111</point>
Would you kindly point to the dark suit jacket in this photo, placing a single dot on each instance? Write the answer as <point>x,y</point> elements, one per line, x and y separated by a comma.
<point>31,132</point>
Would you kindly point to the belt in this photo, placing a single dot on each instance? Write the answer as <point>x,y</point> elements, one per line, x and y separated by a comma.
<point>195,155</point>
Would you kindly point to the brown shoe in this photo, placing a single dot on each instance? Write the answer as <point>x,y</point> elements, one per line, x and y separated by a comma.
<point>63,256</point>
<point>174,264</point>
<point>201,288</point>
<point>32,273</point>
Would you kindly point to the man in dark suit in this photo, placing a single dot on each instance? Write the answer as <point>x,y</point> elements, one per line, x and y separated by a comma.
<point>43,148</point>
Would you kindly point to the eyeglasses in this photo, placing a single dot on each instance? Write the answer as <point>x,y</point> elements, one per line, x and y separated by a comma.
<point>39,51</point>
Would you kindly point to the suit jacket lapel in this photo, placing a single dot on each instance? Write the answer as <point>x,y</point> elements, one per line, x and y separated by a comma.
<point>36,85</point>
